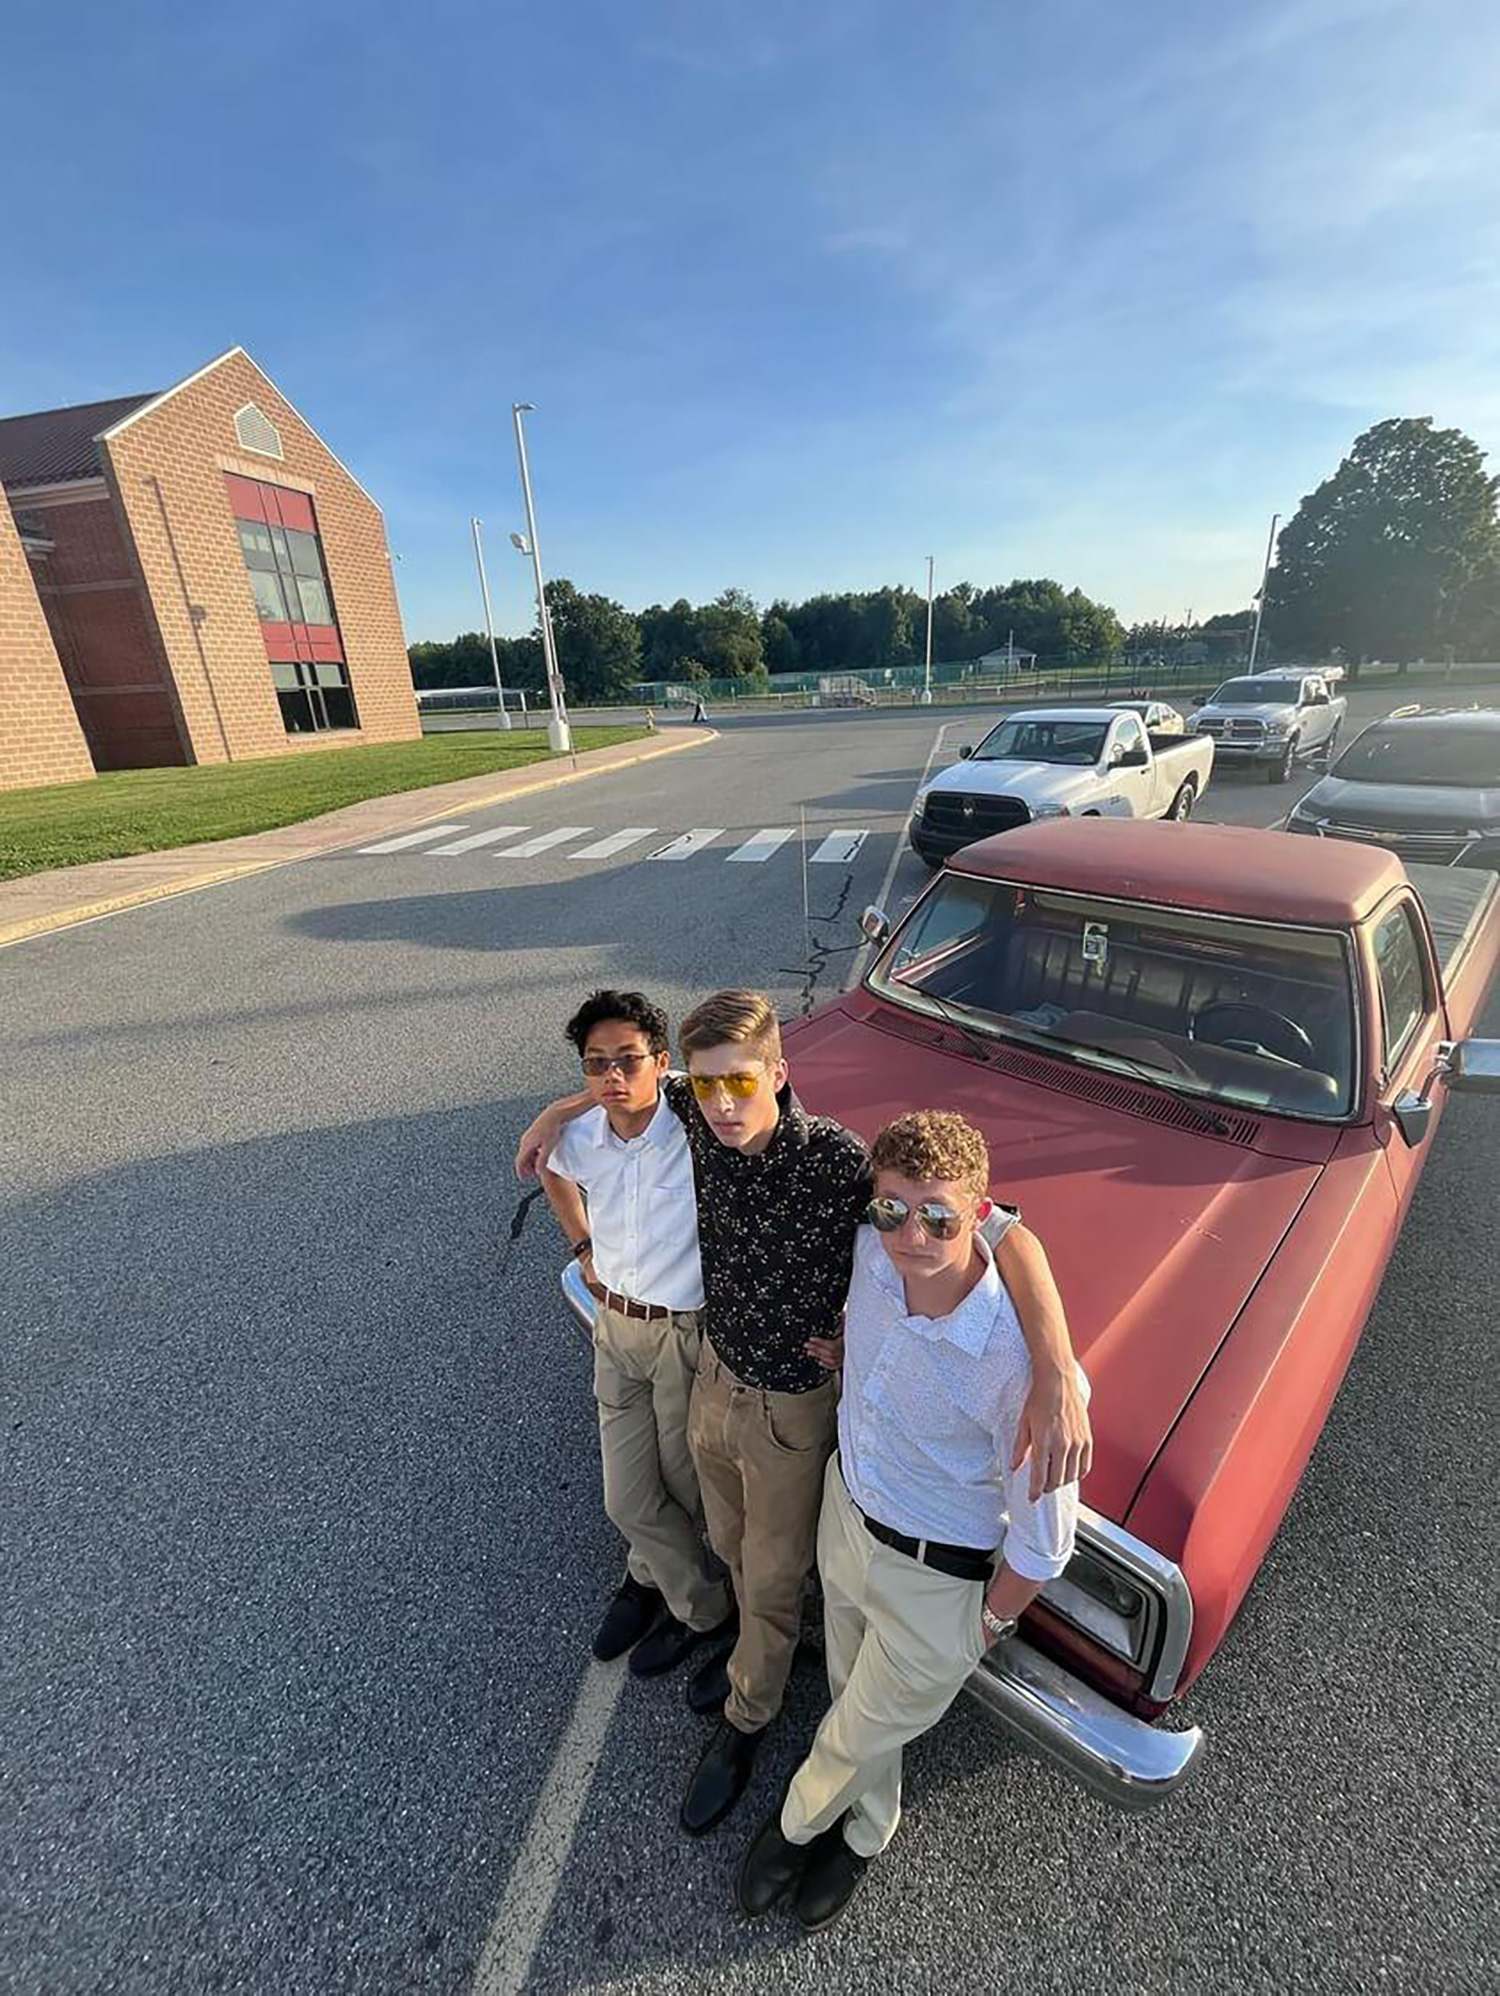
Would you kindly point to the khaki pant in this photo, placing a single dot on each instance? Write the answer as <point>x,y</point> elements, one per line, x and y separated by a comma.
<point>902,1640</point>
<point>760,1460</point>
<point>643,1378</point>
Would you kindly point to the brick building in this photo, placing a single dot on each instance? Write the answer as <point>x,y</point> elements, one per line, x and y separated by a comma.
<point>189,577</point>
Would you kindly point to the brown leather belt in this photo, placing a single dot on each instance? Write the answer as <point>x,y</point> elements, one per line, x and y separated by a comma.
<point>626,1306</point>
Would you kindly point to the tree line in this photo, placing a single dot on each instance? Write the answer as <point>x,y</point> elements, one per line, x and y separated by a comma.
<point>1396,556</point>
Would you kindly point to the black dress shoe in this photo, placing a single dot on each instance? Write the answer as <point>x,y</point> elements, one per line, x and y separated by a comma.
<point>772,1866</point>
<point>627,1619</point>
<point>708,1686</point>
<point>720,1778</point>
<point>828,1883</point>
<point>670,1641</point>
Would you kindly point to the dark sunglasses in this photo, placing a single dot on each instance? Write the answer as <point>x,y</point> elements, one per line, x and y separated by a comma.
<point>887,1216</point>
<point>600,1064</point>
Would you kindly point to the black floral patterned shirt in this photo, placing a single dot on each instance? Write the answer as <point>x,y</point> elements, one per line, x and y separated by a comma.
<point>776,1234</point>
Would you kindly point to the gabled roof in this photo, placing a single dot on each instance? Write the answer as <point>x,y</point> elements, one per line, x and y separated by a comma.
<point>56,446</point>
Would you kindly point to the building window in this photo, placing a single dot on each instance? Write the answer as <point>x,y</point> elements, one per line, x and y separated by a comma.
<point>314,697</point>
<point>283,553</point>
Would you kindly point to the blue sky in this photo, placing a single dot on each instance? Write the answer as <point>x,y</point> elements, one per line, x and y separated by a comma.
<point>802,292</point>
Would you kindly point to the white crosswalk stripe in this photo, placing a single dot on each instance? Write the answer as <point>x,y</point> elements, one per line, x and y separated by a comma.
<point>763,844</point>
<point>616,842</point>
<point>838,848</point>
<point>412,838</point>
<point>529,848</point>
<point>688,844</point>
<point>477,839</point>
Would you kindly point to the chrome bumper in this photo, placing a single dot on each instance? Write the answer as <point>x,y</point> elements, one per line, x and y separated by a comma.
<point>1118,1757</point>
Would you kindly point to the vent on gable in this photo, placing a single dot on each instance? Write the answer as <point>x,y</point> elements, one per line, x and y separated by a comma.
<point>257,432</point>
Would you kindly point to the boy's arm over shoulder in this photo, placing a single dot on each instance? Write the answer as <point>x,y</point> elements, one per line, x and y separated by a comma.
<point>1054,1429</point>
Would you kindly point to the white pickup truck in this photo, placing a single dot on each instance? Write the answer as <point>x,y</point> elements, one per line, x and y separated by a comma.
<point>1078,762</point>
<point>1274,718</point>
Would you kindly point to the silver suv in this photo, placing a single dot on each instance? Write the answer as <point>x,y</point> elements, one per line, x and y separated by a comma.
<point>1274,719</point>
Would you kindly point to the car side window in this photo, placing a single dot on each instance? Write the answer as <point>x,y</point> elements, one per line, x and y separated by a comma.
<point>1403,993</point>
<point>1130,737</point>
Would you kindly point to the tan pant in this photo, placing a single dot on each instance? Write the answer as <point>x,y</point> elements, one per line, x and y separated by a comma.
<point>902,1640</point>
<point>760,1460</point>
<point>643,1379</point>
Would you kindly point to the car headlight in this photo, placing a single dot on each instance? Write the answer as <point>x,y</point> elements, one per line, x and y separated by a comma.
<point>1278,728</point>
<point>1049,811</point>
<point>921,804</point>
<point>1107,1604</point>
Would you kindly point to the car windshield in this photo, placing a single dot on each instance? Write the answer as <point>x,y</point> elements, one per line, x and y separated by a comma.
<point>1468,757</point>
<point>1245,1013</point>
<point>1255,692</point>
<point>1021,740</point>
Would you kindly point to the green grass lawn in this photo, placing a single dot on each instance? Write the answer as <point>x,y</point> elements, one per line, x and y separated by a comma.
<point>152,810</point>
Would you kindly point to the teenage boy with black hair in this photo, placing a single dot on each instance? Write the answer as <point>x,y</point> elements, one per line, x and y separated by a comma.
<point>637,1243</point>
<point>781,1196</point>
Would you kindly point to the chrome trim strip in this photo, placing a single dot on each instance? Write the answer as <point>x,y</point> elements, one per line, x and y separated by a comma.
<point>1117,1756</point>
<point>580,1300</point>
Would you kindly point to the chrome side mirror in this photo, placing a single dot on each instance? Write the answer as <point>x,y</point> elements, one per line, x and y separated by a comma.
<point>876,925</point>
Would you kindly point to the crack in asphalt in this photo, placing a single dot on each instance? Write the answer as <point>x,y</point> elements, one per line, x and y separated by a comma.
<point>822,952</point>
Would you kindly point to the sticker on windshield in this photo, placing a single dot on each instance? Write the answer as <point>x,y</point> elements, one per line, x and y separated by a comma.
<point>1096,943</point>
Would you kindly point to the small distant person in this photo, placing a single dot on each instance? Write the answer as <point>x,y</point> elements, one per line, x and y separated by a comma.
<point>650,720</point>
<point>932,1539</point>
<point>700,712</point>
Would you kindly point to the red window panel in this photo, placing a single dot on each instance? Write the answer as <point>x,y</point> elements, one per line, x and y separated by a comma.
<point>296,510</point>
<point>324,642</point>
<point>245,500</point>
<point>278,639</point>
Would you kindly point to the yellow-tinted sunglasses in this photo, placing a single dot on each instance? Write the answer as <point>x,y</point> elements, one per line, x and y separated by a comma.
<point>741,1086</point>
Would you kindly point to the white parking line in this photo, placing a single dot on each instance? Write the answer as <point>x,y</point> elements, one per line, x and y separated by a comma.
<point>763,844</point>
<point>477,839</point>
<point>529,848</point>
<point>688,844</point>
<point>838,848</point>
<point>616,842</point>
<point>412,838</point>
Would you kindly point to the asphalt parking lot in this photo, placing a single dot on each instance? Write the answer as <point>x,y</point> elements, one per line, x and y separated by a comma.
<point>304,1541</point>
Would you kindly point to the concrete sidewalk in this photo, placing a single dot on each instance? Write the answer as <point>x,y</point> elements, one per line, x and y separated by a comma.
<point>40,902</point>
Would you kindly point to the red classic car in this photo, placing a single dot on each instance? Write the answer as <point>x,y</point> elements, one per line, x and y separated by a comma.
<point>1209,1062</point>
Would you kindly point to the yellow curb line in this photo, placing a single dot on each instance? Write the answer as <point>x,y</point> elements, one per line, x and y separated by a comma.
<point>93,911</point>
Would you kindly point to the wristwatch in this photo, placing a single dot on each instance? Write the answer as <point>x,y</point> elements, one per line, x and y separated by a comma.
<point>581,1248</point>
<point>997,1627</point>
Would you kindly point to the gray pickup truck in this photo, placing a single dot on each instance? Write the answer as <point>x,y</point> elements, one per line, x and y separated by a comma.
<point>1273,719</point>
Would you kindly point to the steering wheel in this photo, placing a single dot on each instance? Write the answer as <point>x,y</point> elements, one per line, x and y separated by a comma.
<point>1246,1028</point>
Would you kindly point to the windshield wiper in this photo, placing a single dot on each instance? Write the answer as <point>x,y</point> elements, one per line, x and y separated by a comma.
<point>975,1039</point>
<point>1156,1077</point>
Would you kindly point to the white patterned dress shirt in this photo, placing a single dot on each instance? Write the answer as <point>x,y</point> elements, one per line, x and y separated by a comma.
<point>643,1208</point>
<point>929,1414</point>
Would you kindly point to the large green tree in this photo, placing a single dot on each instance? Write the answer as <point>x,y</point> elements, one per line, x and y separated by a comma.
<point>598,645</point>
<point>1396,556</point>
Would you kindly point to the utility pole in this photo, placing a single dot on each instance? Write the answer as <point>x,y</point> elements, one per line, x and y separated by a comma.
<point>927,672</point>
<point>1260,601</point>
<point>559,735</point>
<point>489,621</point>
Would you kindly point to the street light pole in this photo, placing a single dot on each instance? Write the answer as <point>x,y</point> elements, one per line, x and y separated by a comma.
<point>489,621</point>
<point>559,736</point>
<point>1260,601</point>
<point>927,673</point>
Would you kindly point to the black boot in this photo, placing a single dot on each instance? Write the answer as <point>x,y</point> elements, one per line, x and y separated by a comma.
<point>670,1641</point>
<point>720,1778</point>
<point>708,1686</point>
<point>772,1866</point>
<point>627,1619</point>
<point>829,1881</point>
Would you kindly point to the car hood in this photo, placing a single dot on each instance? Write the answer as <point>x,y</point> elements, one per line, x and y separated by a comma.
<point>1426,805</point>
<point>1037,782</point>
<point>1157,1235</point>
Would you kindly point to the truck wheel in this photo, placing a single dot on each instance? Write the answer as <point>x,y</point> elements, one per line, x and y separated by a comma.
<point>1280,771</point>
<point>1182,803</point>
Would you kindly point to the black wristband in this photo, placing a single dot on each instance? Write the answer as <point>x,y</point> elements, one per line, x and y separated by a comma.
<point>581,1248</point>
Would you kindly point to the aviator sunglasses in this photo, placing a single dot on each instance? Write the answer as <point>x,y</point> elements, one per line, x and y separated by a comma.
<point>740,1086</point>
<point>887,1216</point>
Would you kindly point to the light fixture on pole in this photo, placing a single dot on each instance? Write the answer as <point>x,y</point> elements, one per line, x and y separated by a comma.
<point>927,670</point>
<point>489,621</point>
<point>559,736</point>
<point>1260,601</point>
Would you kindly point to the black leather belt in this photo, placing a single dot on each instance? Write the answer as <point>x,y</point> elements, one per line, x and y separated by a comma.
<point>961,1562</point>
